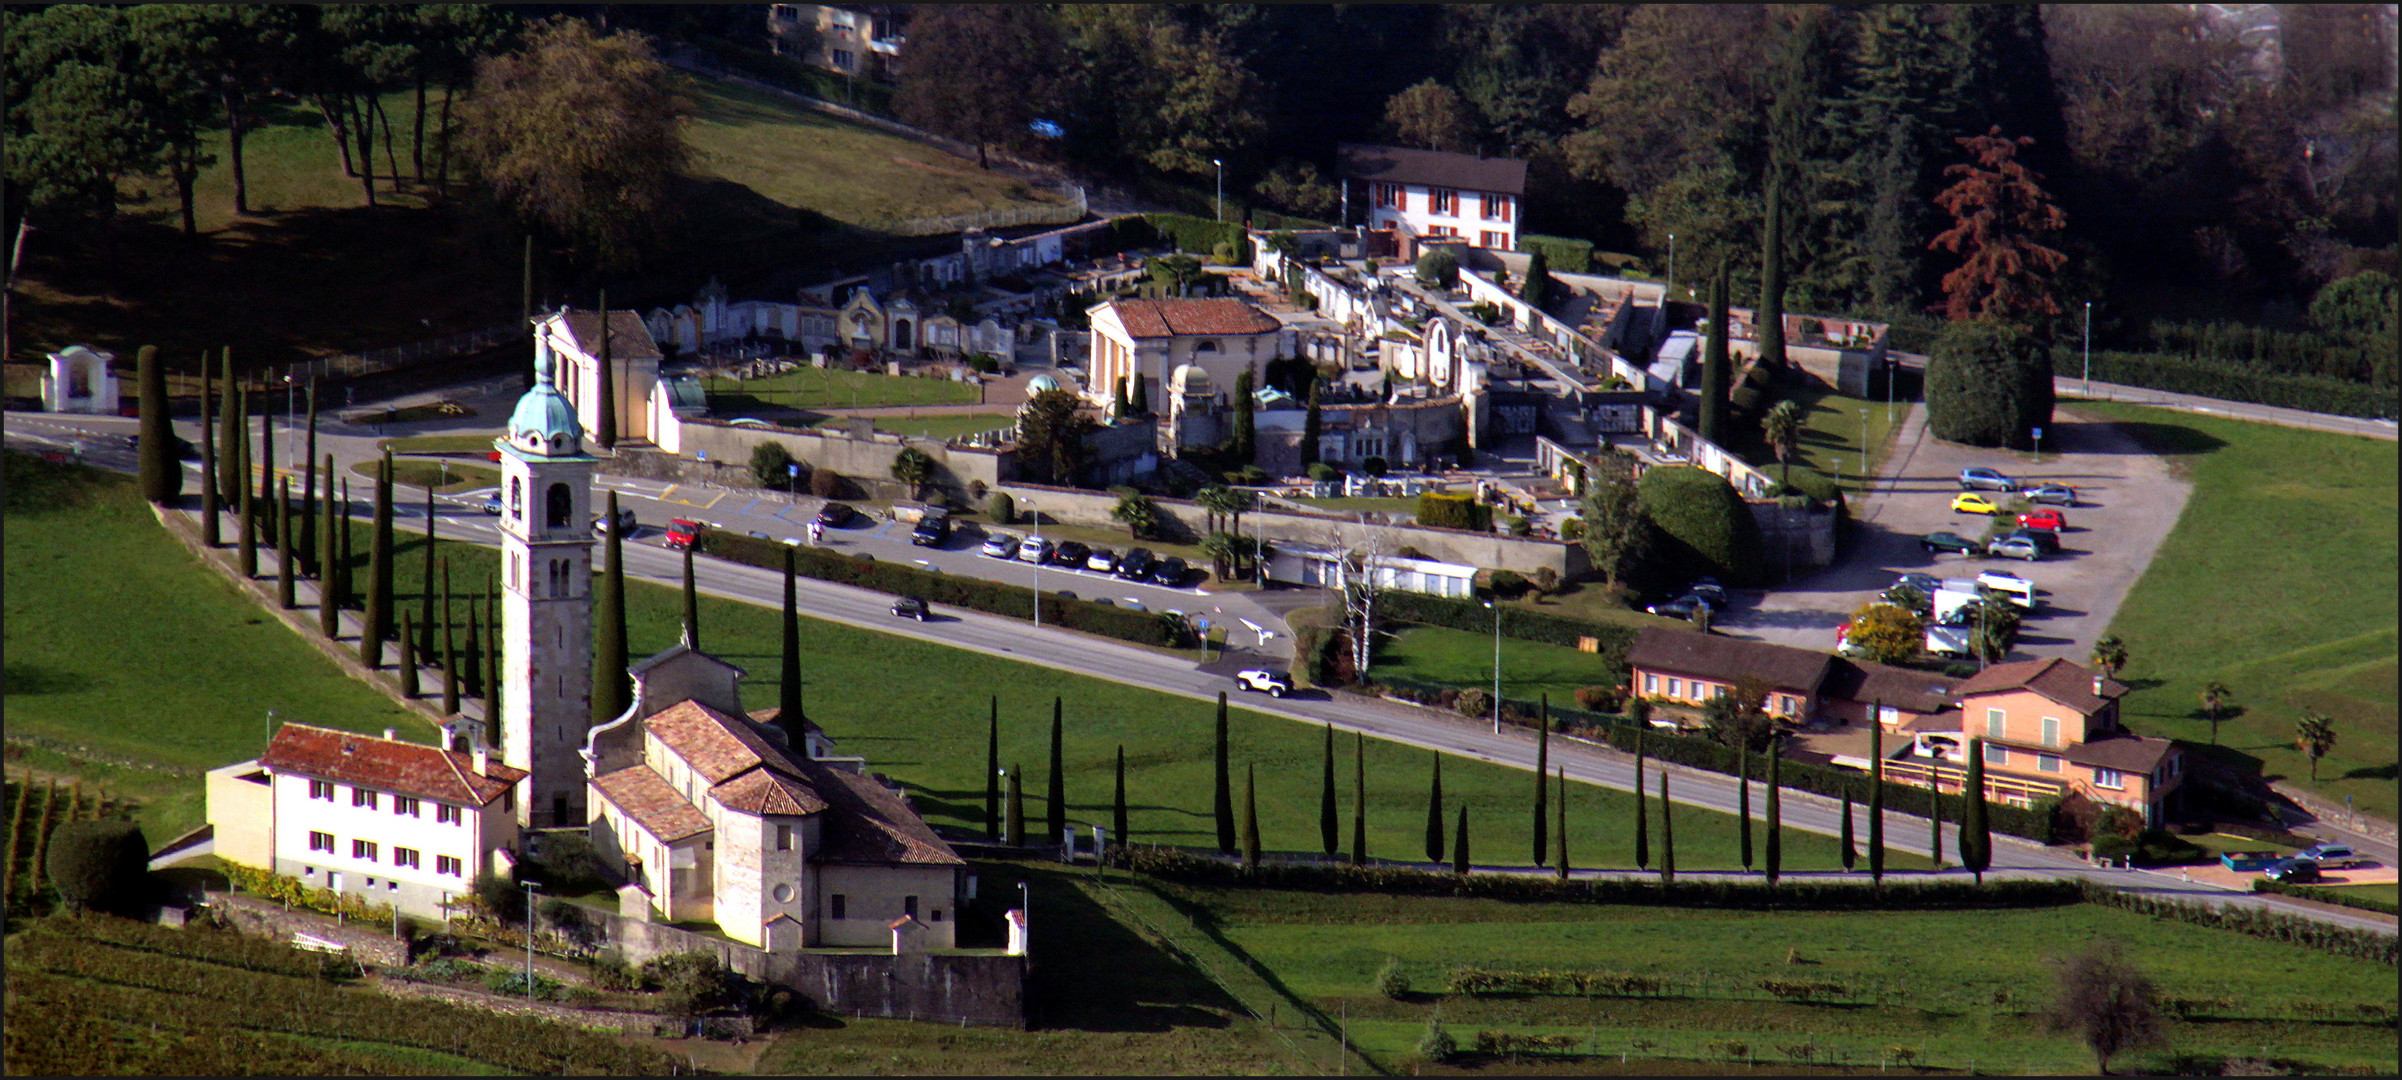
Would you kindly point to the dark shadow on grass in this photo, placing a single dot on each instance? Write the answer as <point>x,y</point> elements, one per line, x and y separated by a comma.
<point>2373,772</point>
<point>1098,974</point>
<point>32,679</point>
<point>2169,440</point>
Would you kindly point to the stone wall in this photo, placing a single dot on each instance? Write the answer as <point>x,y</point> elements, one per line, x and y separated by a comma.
<point>624,1023</point>
<point>868,460</point>
<point>372,943</point>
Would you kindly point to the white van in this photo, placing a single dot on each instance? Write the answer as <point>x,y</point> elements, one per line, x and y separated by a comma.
<point>2017,589</point>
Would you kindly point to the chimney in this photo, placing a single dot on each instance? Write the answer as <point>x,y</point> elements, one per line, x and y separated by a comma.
<point>391,734</point>
<point>2097,686</point>
<point>483,761</point>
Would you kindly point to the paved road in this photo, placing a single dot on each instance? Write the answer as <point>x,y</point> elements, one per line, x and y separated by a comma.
<point>1410,725</point>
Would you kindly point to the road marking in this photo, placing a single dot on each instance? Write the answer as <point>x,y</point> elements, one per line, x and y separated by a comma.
<point>747,507</point>
<point>670,495</point>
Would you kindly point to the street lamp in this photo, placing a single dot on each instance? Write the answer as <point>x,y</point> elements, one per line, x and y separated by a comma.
<point>529,937</point>
<point>1864,449</point>
<point>291,415</point>
<point>1035,518</point>
<point>1671,270</point>
<point>1217,206</point>
<point>1496,665</point>
<point>2088,348</point>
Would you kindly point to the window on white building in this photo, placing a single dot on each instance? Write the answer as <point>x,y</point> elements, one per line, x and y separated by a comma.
<point>1490,239</point>
<point>321,789</point>
<point>447,864</point>
<point>2109,778</point>
<point>321,841</point>
<point>447,815</point>
<point>404,804</point>
<point>407,857</point>
<point>1442,200</point>
<point>363,849</point>
<point>360,796</point>
<point>1389,195</point>
<point>1497,207</point>
<point>783,838</point>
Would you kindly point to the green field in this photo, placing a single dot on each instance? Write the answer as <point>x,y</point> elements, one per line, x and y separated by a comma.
<point>2279,580</point>
<point>430,474</point>
<point>832,388</point>
<point>1463,658</point>
<point>943,427</point>
<point>1956,988</point>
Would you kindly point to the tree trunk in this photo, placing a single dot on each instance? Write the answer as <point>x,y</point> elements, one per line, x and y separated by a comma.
<point>376,103</point>
<point>366,132</point>
<point>186,173</point>
<point>337,122</point>
<point>237,124</point>
<point>442,140</point>
<point>417,144</point>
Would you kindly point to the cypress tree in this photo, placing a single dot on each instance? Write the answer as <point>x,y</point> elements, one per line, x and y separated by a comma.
<point>1359,798</point>
<point>267,458</point>
<point>232,434</point>
<point>1250,816</point>
<point>1716,368</point>
<point>249,522</point>
<point>473,657</point>
<point>1667,834</point>
<point>1459,844</point>
<point>1743,803</point>
<point>425,610</point>
<point>308,493</point>
<point>604,428</point>
<point>1976,841</point>
<point>1117,801</point>
<point>1851,851</point>
<point>491,679</point>
<point>378,615</point>
<point>1013,824</point>
<point>1245,433</point>
<point>1311,425</point>
<point>692,601</point>
<point>409,686</point>
<point>1057,796</point>
<point>209,533</point>
<point>1139,396</point>
<point>161,472</point>
<point>992,760</point>
<point>1560,828</point>
<point>1773,857</point>
<point>1771,327</point>
<point>1125,405</point>
<point>283,544</point>
<point>610,692</point>
<point>795,721</point>
<point>1537,287</point>
<point>1222,797</point>
<point>1329,827</point>
<point>450,651</point>
<point>1542,776</point>
<point>345,545</point>
<point>1934,824</point>
<point>1434,813</point>
<point>1876,800</point>
<point>1642,827</point>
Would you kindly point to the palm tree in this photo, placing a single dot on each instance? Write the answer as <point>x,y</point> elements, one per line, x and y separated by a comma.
<point>2314,734</point>
<point>2109,654</point>
<point>1214,501</point>
<point>915,468</point>
<point>1782,427</point>
<point>1222,548</point>
<point>2215,696</point>
<point>1138,513</point>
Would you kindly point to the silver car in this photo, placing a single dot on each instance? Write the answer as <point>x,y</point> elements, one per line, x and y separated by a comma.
<point>2055,494</point>
<point>1985,480</point>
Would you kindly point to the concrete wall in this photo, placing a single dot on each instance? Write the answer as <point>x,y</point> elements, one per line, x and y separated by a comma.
<point>872,899</point>
<point>866,460</point>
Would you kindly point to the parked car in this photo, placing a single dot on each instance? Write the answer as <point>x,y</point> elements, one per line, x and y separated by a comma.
<point>1071,553</point>
<point>1271,683</point>
<point>1679,608</point>
<point>2331,856</point>
<point>1925,583</point>
<point>1708,589</point>
<point>625,521</point>
<point>2016,547</point>
<point>1135,564</point>
<point>910,607</point>
<point>1001,546</point>
<point>931,531</point>
<point>1985,480</point>
<point>1103,560</point>
<point>834,515</point>
<point>2045,539</point>
<point>2293,871</point>
<point>2046,518</point>
<point>1169,572</point>
<point>492,505</point>
<point>681,532</point>
<point>1034,549</point>
<point>2060,494</point>
<point>1946,541</point>
<point>492,455</point>
<point>1969,502</point>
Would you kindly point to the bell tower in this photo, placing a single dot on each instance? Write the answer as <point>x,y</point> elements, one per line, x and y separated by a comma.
<point>546,605</point>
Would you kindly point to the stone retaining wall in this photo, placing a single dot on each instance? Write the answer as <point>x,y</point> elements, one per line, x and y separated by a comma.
<point>371,943</point>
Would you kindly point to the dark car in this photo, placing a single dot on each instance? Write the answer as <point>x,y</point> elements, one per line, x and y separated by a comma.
<point>1681,607</point>
<point>835,515</point>
<point>1709,589</point>
<point>910,607</point>
<point>1925,583</point>
<point>1948,541</point>
<point>2046,539</point>
<point>2294,871</point>
<point>932,531</point>
<point>1071,553</point>
<point>1135,564</point>
<point>1169,572</point>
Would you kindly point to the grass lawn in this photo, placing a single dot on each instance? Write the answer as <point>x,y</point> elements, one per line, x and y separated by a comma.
<point>830,388</point>
<point>429,474</point>
<point>438,444</point>
<point>943,427</point>
<point>2387,892</point>
<point>848,172</point>
<point>1464,658</point>
<point>1956,987</point>
<point>2279,580</point>
<point>1407,508</point>
<point>134,667</point>
<point>1830,438</point>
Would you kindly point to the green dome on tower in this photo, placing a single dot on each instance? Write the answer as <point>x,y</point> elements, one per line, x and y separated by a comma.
<point>544,422</point>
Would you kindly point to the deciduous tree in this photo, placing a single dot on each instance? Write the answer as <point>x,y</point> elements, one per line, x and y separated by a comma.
<point>2105,1000</point>
<point>1430,116</point>
<point>981,73</point>
<point>1051,430</point>
<point>1889,632</point>
<point>1618,535</point>
<point>2001,216</point>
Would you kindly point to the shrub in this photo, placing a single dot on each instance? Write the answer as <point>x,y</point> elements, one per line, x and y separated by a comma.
<point>1638,709</point>
<point>1323,471</point>
<point>1391,981</point>
<point>1437,1045</point>
<point>1474,703</point>
<point>1454,510</point>
<point>1703,525</point>
<point>1222,253</point>
<point>828,484</point>
<point>1000,508</point>
<point>1517,526</point>
<point>2242,382</point>
<point>1988,384</point>
<point>100,865</point>
<point>1373,465</point>
<point>2324,896</point>
<point>1565,254</point>
<point>1509,584</point>
<point>1597,698</point>
<point>1439,268</point>
<point>500,898</point>
<point>691,983</point>
<point>770,465</point>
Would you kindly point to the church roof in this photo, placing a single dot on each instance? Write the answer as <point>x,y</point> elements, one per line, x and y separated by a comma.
<point>761,791</point>
<point>653,803</point>
<point>870,823</point>
<point>716,745</point>
<point>1171,318</point>
<point>629,337</point>
<point>427,772</point>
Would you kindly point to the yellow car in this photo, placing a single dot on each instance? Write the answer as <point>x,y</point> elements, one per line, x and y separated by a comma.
<point>1970,502</point>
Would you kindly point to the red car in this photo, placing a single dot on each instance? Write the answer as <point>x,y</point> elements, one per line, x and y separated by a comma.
<point>680,532</point>
<point>2043,519</point>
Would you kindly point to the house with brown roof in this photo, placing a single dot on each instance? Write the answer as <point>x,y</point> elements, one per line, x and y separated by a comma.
<point>394,822</point>
<point>2056,724</point>
<point>712,814</point>
<point>1429,195</point>
<point>1149,339</point>
<point>1688,668</point>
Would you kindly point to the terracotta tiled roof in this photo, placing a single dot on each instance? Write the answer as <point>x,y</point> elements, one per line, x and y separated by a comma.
<point>408,768</point>
<point>2125,753</point>
<point>870,824</point>
<point>1948,720</point>
<point>1870,683</point>
<point>652,802</point>
<point>1434,168</point>
<point>716,745</point>
<point>1170,318</point>
<point>2056,679</point>
<point>629,336</point>
<point>1726,659</point>
<point>761,791</point>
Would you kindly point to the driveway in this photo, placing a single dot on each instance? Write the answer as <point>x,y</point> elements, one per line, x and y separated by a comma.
<point>2127,503</point>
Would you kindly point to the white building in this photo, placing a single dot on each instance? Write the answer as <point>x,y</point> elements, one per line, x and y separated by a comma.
<point>567,343</point>
<point>1149,339</point>
<point>546,596</point>
<point>1431,195</point>
<point>1302,564</point>
<point>393,822</point>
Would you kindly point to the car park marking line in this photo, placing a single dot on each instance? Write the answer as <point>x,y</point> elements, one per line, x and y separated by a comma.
<point>748,507</point>
<point>670,495</point>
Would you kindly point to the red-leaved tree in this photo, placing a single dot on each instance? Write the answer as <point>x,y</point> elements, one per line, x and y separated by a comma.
<point>2000,213</point>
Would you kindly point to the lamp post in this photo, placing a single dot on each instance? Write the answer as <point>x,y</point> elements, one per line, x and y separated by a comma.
<point>1864,481</point>
<point>2088,348</point>
<point>529,937</point>
<point>291,415</point>
<point>1035,518</point>
<point>1671,269</point>
<point>1217,206</point>
<point>1496,665</point>
<point>1026,914</point>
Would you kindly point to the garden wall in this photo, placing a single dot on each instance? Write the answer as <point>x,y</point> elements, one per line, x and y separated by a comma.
<point>955,467</point>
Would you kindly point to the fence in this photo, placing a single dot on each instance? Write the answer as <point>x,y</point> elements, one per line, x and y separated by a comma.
<point>351,365</point>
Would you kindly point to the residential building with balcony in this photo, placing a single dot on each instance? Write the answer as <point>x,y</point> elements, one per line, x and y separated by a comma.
<point>1430,195</point>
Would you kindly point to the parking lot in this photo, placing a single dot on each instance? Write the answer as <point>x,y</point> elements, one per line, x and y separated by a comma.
<point>2128,501</point>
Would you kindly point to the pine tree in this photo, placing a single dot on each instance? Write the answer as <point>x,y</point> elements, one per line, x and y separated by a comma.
<point>1876,800</point>
<point>1743,803</point>
<point>1434,813</point>
<point>378,615</point>
<point>1222,799</point>
<point>307,542</point>
<point>425,609</point>
<point>1311,425</point>
<point>209,532</point>
<point>1329,827</point>
<point>1716,368</point>
<point>1851,850</point>
<point>795,722</point>
<point>1542,777</point>
<point>1117,803</point>
<point>283,544</point>
<point>233,433</point>
<point>1013,823</point>
<point>611,694</point>
<point>1770,321</point>
<point>992,761</point>
<point>1642,841</point>
<point>692,602</point>
<point>604,428</point>
<point>1250,816</point>
<point>1773,857</point>
<point>1559,829</point>
<point>160,470</point>
<point>1246,434</point>
<point>1057,795</point>
<point>1359,798</point>
<point>409,686</point>
<point>1459,844</point>
<point>1667,834</point>
<point>450,651</point>
<point>1976,839</point>
<point>249,551</point>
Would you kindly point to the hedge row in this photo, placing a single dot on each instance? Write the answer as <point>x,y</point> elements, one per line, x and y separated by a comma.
<point>2272,925</point>
<point>1566,255</point>
<point>2232,382</point>
<point>1176,864</point>
<point>1200,235</point>
<point>2325,896</point>
<point>1454,510</point>
<point>994,598</point>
